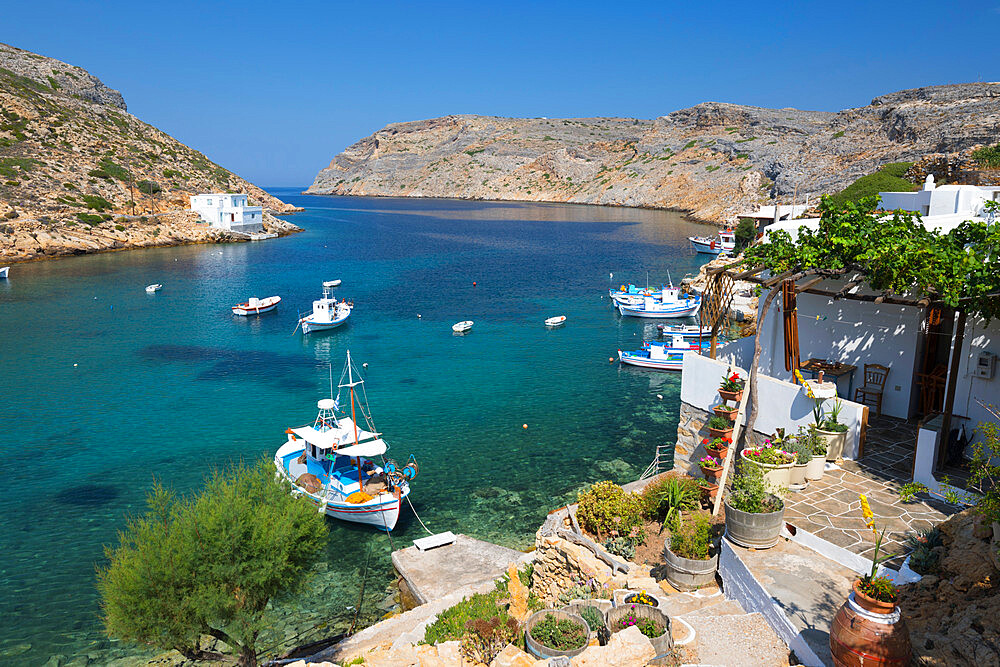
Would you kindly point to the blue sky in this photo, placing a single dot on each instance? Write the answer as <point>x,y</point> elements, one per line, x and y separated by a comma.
<point>274,90</point>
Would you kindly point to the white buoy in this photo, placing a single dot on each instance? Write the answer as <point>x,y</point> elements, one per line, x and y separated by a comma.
<point>364,365</point>
<point>418,316</point>
<point>660,396</point>
<point>74,365</point>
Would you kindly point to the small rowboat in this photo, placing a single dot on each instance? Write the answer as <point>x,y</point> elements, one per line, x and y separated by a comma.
<point>462,327</point>
<point>155,287</point>
<point>555,321</point>
<point>3,271</point>
<point>331,283</point>
<point>255,306</point>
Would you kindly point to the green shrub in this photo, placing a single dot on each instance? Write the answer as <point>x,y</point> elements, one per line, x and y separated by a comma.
<point>888,179</point>
<point>451,623</point>
<point>89,218</point>
<point>838,135</point>
<point>749,492</point>
<point>625,545</point>
<point>114,170</point>
<point>692,538</point>
<point>120,228</point>
<point>96,202</point>
<point>12,183</point>
<point>69,186</point>
<point>594,618</point>
<point>924,558</point>
<point>605,509</point>
<point>666,499</point>
<point>987,156</point>
<point>473,151</point>
<point>746,232</point>
<point>146,187</point>
<point>487,637</point>
<point>99,173</point>
<point>559,633</point>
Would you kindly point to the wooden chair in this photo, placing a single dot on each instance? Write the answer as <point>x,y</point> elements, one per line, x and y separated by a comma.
<point>871,390</point>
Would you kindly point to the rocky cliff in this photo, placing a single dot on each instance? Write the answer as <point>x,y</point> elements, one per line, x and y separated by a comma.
<point>713,160</point>
<point>78,173</point>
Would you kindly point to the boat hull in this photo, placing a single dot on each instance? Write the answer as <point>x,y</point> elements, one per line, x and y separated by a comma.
<point>671,313</point>
<point>246,310</point>
<point>632,359</point>
<point>309,325</point>
<point>3,272</point>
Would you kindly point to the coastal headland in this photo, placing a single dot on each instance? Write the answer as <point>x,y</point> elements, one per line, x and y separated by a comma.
<point>712,161</point>
<point>80,174</point>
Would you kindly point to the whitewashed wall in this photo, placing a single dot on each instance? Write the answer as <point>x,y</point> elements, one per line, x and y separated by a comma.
<point>969,389</point>
<point>783,404</point>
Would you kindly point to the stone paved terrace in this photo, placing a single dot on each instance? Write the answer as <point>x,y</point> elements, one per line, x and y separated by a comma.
<point>830,509</point>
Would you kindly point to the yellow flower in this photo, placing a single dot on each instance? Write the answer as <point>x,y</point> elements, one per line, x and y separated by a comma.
<point>798,376</point>
<point>866,512</point>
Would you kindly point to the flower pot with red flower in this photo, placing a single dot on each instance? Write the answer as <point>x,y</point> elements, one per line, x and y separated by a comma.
<point>731,388</point>
<point>711,467</point>
<point>717,447</point>
<point>720,427</point>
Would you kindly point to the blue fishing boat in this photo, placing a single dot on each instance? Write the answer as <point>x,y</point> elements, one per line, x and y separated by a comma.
<point>664,356</point>
<point>331,463</point>
<point>669,303</point>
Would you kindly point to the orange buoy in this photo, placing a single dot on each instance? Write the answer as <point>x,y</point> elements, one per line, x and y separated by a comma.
<point>524,426</point>
<point>473,283</point>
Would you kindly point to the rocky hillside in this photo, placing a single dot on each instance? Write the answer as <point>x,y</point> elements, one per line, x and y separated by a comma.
<point>76,168</point>
<point>713,160</point>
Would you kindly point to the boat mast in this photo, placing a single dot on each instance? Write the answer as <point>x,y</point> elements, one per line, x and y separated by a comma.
<point>350,380</point>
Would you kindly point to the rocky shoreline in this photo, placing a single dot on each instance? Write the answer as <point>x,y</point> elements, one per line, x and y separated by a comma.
<point>31,240</point>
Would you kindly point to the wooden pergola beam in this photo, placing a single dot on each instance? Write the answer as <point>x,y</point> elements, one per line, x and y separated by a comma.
<point>808,285</point>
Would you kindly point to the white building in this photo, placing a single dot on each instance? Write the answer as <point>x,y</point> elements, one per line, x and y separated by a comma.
<point>229,211</point>
<point>944,200</point>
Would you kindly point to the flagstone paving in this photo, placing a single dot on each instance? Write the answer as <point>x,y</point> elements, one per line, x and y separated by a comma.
<point>830,508</point>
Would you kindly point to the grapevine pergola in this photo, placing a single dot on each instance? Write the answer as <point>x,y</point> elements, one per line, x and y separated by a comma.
<point>894,254</point>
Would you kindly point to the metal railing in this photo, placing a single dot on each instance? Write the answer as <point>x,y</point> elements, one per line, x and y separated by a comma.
<point>660,459</point>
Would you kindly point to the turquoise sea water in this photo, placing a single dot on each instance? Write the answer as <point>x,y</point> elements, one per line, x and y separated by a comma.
<point>105,387</point>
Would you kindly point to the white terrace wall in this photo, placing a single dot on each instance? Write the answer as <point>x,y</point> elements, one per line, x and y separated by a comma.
<point>856,333</point>
<point>783,405</point>
<point>970,390</point>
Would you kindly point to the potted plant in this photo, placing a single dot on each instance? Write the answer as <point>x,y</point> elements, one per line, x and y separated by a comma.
<point>817,464</point>
<point>775,464</point>
<point>727,412</point>
<point>690,559</point>
<point>708,490</point>
<point>802,448</point>
<point>830,429</point>
<point>551,633</point>
<point>717,447</point>
<point>720,427</point>
<point>877,629</point>
<point>731,388</point>
<point>754,516</point>
<point>711,467</point>
<point>651,622</point>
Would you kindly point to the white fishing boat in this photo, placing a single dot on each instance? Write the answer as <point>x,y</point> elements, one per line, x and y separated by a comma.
<point>725,241</point>
<point>4,270</point>
<point>332,283</point>
<point>152,289</point>
<point>556,321</point>
<point>462,327</point>
<point>332,463</point>
<point>255,306</point>
<point>665,356</point>
<point>686,330</point>
<point>669,303</point>
<point>327,312</point>
<point>631,295</point>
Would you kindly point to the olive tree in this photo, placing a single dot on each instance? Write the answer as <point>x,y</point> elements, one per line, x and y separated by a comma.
<point>208,564</point>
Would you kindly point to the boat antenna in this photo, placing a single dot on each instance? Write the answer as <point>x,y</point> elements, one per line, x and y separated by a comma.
<point>647,280</point>
<point>330,366</point>
<point>669,279</point>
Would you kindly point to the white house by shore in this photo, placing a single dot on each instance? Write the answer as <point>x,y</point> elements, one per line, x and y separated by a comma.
<point>228,211</point>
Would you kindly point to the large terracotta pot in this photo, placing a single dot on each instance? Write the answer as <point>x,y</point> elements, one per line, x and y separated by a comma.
<point>719,453</point>
<point>863,634</point>
<point>777,477</point>
<point>836,443</point>
<point>712,474</point>
<point>721,432</point>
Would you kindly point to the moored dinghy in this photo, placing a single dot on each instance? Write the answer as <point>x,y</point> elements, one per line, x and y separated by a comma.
<point>556,321</point>
<point>462,327</point>
<point>686,330</point>
<point>331,463</point>
<point>152,289</point>
<point>3,271</point>
<point>724,242</point>
<point>255,306</point>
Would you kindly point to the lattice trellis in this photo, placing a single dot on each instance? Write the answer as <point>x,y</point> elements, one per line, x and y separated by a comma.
<point>715,302</point>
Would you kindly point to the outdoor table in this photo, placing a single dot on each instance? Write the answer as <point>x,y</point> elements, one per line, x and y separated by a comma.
<point>834,370</point>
